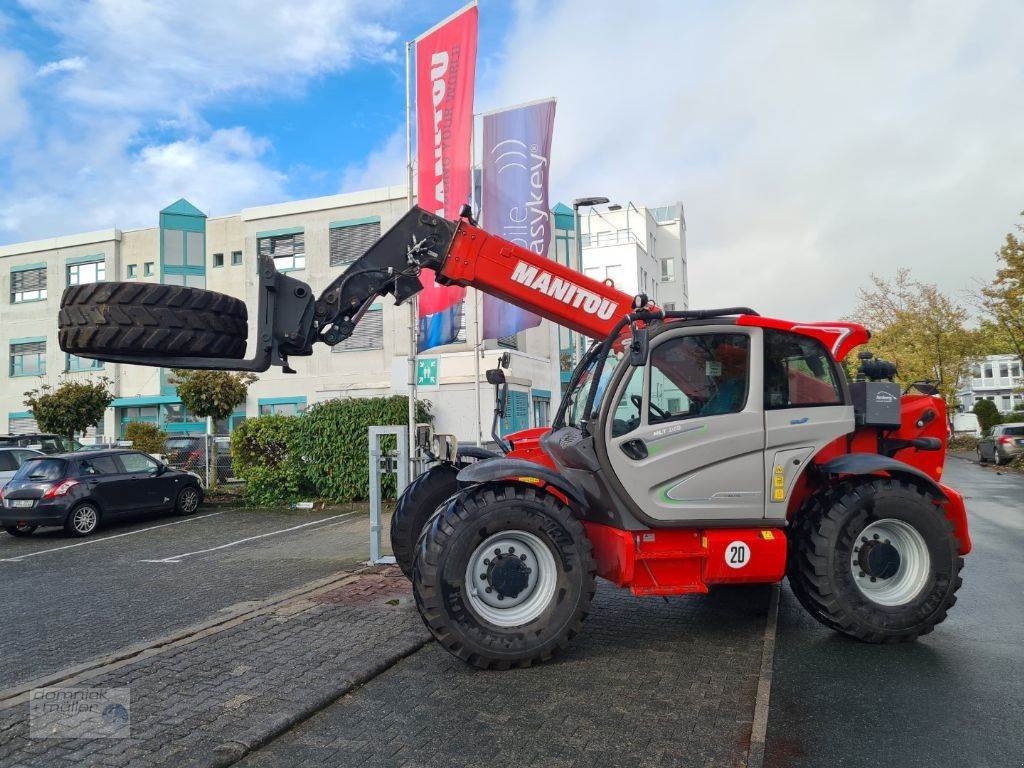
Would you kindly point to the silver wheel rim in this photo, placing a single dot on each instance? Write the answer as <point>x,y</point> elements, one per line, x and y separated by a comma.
<point>536,562</point>
<point>84,520</point>
<point>189,500</point>
<point>914,563</point>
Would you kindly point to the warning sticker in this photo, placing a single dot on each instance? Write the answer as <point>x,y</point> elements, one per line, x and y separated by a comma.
<point>737,554</point>
<point>712,368</point>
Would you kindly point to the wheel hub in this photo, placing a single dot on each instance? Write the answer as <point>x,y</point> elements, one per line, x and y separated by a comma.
<point>508,574</point>
<point>879,559</point>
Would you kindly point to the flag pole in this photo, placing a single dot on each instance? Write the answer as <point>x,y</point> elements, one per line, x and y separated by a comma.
<point>477,351</point>
<point>413,319</point>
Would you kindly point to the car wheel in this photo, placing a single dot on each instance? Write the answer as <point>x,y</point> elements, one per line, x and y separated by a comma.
<point>20,529</point>
<point>83,520</point>
<point>189,499</point>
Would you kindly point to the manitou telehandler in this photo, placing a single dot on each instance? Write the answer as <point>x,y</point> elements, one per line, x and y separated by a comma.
<point>690,449</point>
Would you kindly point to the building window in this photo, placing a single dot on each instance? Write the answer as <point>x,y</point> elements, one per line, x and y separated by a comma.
<point>189,281</point>
<point>28,358</point>
<point>147,269</point>
<point>670,306</point>
<point>1006,402</point>
<point>541,410</point>
<point>368,334</point>
<point>668,269</point>
<point>287,250</point>
<point>87,272</point>
<point>133,271</point>
<point>28,285</point>
<point>351,239</point>
<point>76,364</point>
<point>282,406</point>
<point>236,258</point>
<point>512,342</point>
<point>1016,370</point>
<point>988,370</point>
<point>218,259</point>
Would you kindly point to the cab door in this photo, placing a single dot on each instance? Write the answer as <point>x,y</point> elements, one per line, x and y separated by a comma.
<point>686,439</point>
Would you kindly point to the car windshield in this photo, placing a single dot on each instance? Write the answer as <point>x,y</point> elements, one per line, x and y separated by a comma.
<point>42,470</point>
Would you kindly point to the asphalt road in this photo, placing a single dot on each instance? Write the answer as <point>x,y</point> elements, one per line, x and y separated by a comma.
<point>67,600</point>
<point>953,698</point>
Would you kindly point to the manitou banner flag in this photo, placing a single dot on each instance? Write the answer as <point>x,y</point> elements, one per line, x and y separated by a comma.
<point>445,70</point>
<point>517,155</point>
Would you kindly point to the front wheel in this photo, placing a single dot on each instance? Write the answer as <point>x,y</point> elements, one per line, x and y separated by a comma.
<point>21,529</point>
<point>879,561</point>
<point>504,576</point>
<point>188,501</point>
<point>415,506</point>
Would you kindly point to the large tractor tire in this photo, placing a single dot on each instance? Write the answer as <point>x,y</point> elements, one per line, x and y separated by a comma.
<point>876,559</point>
<point>148,318</point>
<point>504,576</point>
<point>415,506</point>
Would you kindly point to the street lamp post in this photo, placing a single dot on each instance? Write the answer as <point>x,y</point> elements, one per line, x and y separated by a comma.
<point>581,202</point>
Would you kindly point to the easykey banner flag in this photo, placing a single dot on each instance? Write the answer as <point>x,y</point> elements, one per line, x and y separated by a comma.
<point>516,160</point>
<point>445,70</point>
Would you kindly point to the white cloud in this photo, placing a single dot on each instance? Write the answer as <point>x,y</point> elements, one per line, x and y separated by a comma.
<point>13,107</point>
<point>171,58</point>
<point>811,143</point>
<point>71,64</point>
<point>385,165</point>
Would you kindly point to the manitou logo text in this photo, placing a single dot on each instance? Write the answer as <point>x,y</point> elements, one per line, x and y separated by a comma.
<point>563,290</point>
<point>438,86</point>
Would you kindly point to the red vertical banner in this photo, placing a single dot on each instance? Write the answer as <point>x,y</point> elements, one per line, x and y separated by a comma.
<point>445,73</point>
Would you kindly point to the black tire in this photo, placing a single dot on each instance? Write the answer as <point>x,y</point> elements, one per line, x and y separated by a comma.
<point>189,499</point>
<point>20,529</point>
<point>456,535</point>
<point>981,457</point>
<point>151,319</point>
<point>415,507</point>
<point>70,523</point>
<point>825,544</point>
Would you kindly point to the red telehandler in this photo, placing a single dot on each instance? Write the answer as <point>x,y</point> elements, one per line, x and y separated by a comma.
<point>690,449</point>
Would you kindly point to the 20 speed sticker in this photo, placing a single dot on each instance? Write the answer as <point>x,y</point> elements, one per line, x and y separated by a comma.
<point>737,554</point>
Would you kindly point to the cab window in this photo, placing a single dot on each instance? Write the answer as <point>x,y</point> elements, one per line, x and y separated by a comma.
<point>701,375</point>
<point>798,372</point>
<point>577,397</point>
<point>626,417</point>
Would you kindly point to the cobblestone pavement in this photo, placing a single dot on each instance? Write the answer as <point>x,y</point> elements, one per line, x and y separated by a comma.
<point>648,683</point>
<point>208,700</point>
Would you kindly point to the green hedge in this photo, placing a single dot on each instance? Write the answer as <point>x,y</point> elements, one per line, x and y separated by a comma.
<point>321,453</point>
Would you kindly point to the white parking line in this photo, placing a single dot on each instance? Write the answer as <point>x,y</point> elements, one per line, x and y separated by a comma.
<point>19,558</point>
<point>179,558</point>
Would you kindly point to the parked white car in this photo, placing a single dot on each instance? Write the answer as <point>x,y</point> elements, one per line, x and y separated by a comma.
<point>11,460</point>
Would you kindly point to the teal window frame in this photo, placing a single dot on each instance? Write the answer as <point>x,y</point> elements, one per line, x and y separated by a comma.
<point>236,261</point>
<point>272,404</point>
<point>180,220</point>
<point>133,271</point>
<point>41,293</point>
<point>147,269</point>
<point>274,233</point>
<point>73,269</point>
<point>517,414</point>
<point>76,364</point>
<point>17,360</point>
<point>218,257</point>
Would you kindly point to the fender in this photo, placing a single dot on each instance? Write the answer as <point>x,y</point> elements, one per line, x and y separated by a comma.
<point>870,463</point>
<point>476,452</point>
<point>503,468</point>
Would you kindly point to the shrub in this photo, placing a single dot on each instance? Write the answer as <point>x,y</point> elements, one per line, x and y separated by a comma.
<point>70,408</point>
<point>963,443</point>
<point>145,437</point>
<point>321,453</point>
<point>988,415</point>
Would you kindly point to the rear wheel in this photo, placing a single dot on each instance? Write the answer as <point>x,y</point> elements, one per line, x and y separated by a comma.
<point>20,529</point>
<point>83,520</point>
<point>876,560</point>
<point>504,576</point>
<point>148,318</point>
<point>415,506</point>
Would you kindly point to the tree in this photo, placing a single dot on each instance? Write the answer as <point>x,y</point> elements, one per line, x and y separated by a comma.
<point>145,436</point>
<point>920,329</point>
<point>71,407</point>
<point>988,415</point>
<point>212,394</point>
<point>1003,299</point>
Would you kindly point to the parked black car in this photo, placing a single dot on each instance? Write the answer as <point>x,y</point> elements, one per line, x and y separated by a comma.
<point>46,443</point>
<point>82,490</point>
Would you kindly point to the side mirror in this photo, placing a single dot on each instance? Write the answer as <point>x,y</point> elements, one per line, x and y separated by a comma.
<point>160,468</point>
<point>495,376</point>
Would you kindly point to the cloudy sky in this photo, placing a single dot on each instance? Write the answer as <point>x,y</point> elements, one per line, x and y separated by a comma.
<point>811,143</point>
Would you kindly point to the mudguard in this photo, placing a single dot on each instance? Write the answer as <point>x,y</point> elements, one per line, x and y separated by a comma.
<point>505,468</point>
<point>870,463</point>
